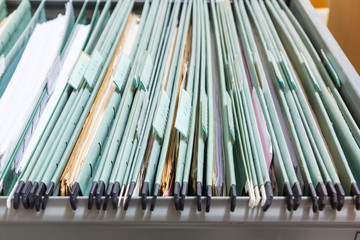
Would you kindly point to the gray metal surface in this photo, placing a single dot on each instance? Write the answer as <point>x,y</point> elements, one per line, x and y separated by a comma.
<point>59,210</point>
<point>101,231</point>
<point>59,221</point>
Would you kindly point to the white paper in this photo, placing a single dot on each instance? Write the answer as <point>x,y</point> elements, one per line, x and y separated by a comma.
<point>28,82</point>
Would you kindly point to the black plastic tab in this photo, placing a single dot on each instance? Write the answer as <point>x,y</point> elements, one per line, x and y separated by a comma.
<point>332,194</point>
<point>232,197</point>
<point>32,195</point>
<point>129,195</point>
<point>356,192</point>
<point>38,196</point>
<point>99,192</point>
<point>208,198</point>
<point>177,195</point>
<point>115,195</point>
<point>144,193</point>
<point>313,197</point>
<point>156,192</point>
<point>92,194</point>
<point>323,195</point>
<point>289,196</point>
<point>17,194</point>
<point>183,195</point>
<point>74,193</point>
<point>49,191</point>
<point>269,196</point>
<point>296,189</point>
<point>25,194</point>
<point>107,195</point>
<point>198,195</point>
<point>341,196</point>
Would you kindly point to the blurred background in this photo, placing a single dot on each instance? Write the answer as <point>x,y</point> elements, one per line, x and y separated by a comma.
<point>343,20</point>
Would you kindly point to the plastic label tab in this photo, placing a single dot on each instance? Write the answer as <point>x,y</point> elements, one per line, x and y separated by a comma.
<point>79,70</point>
<point>230,117</point>
<point>183,113</point>
<point>204,111</point>
<point>122,71</point>
<point>93,68</point>
<point>161,115</point>
<point>146,72</point>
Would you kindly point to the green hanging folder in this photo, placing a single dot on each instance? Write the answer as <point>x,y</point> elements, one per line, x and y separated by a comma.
<point>105,48</point>
<point>191,139</point>
<point>67,95</point>
<point>228,144</point>
<point>322,155</point>
<point>322,104</point>
<point>184,116</point>
<point>114,139</point>
<point>294,119</point>
<point>134,97</point>
<point>327,72</point>
<point>171,91</point>
<point>15,24</point>
<point>3,10</point>
<point>210,155</point>
<point>285,174</point>
<point>147,74</point>
<point>146,117</point>
<point>157,116</point>
<point>21,143</point>
<point>12,58</point>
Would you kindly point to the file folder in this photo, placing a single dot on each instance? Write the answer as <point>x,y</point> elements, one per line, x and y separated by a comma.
<point>183,99</point>
<point>28,103</point>
<point>322,103</point>
<point>12,58</point>
<point>13,27</point>
<point>49,135</point>
<point>3,10</point>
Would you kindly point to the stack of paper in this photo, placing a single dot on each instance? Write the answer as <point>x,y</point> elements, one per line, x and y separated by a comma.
<point>27,87</point>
